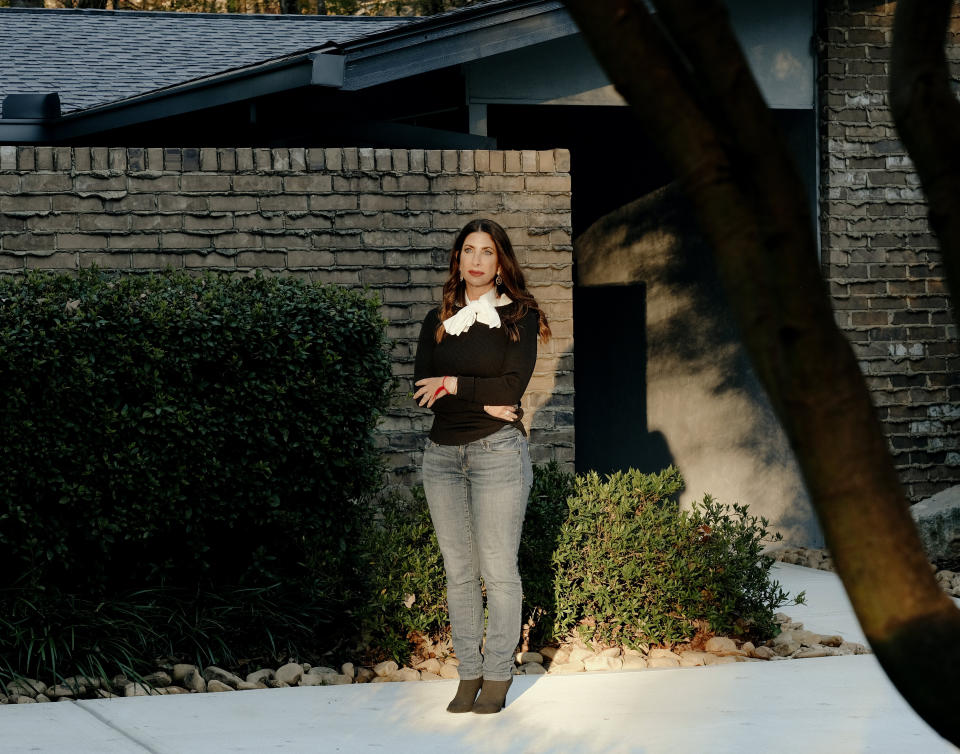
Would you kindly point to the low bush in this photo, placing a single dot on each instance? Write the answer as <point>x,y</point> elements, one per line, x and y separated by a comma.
<point>631,568</point>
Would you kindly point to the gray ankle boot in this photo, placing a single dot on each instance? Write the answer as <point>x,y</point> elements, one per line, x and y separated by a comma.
<point>493,697</point>
<point>466,693</point>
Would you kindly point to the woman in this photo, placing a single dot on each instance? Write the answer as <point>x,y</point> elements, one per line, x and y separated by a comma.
<point>474,359</point>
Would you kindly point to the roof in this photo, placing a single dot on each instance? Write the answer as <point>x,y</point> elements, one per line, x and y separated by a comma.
<point>116,68</point>
<point>95,56</point>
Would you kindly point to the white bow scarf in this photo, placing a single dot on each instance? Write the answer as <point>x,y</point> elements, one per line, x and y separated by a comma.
<point>482,310</point>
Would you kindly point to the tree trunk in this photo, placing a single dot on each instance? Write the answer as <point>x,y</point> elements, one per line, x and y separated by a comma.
<point>684,73</point>
<point>927,116</point>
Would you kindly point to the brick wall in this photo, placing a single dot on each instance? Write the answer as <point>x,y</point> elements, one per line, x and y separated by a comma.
<point>383,219</point>
<point>879,254</point>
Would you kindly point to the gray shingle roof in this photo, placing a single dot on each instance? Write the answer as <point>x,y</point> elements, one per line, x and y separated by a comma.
<point>91,57</point>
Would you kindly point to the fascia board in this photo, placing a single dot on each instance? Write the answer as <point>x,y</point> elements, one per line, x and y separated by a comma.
<point>311,69</point>
<point>24,131</point>
<point>409,52</point>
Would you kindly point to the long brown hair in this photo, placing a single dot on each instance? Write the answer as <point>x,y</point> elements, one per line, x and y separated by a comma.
<point>513,283</point>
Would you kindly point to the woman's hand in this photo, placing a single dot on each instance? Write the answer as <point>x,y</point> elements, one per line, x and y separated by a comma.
<point>434,388</point>
<point>504,413</point>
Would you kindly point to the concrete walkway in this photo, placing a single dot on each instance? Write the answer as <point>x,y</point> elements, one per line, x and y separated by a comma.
<point>822,705</point>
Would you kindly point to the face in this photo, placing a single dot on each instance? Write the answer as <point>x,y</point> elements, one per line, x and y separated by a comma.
<point>478,263</point>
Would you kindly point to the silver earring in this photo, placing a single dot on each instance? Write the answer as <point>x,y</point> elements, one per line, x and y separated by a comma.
<point>499,279</point>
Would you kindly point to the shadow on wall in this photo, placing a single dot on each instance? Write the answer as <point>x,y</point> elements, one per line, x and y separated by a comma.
<point>700,405</point>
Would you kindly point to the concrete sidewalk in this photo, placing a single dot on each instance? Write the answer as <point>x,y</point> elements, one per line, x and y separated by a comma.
<point>823,705</point>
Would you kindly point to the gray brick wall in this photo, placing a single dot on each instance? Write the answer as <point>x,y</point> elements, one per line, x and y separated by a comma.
<point>383,219</point>
<point>879,254</point>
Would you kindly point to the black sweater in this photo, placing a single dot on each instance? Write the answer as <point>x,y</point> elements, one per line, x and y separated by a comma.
<point>490,371</point>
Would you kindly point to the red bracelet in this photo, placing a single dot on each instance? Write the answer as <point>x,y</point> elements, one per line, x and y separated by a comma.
<point>439,390</point>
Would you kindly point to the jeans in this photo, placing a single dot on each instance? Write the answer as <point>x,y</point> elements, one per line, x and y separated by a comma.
<point>477,494</point>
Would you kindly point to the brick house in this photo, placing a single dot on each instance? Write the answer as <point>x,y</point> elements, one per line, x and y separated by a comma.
<point>350,149</point>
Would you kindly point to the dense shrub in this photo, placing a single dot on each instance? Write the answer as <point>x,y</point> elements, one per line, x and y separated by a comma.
<point>187,432</point>
<point>630,567</point>
<point>614,559</point>
<point>405,595</point>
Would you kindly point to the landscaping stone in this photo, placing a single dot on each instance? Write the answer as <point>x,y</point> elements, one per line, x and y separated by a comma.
<point>213,673</point>
<point>663,661</point>
<point>194,681</point>
<point>720,644</point>
<point>712,659</point>
<point>602,663</point>
<point>580,655</point>
<point>405,674</point>
<point>322,670</point>
<point>385,669</point>
<point>365,675</point>
<point>449,672</point>
<point>692,659</point>
<point>433,665</point>
<point>348,670</point>
<point>291,673</point>
<point>26,687</point>
<point>259,676</point>
<point>938,523</point>
<point>531,668</point>
<point>214,685</point>
<point>634,662</point>
<point>428,676</point>
<point>181,669</point>
<point>525,657</point>
<point>159,679</point>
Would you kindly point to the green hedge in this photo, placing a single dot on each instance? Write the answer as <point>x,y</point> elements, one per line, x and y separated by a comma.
<point>168,429</point>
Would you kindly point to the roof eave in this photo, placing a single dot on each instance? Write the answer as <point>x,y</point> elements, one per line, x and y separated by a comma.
<point>324,69</point>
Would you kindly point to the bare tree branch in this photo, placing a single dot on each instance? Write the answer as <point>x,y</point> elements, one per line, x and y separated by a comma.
<point>727,152</point>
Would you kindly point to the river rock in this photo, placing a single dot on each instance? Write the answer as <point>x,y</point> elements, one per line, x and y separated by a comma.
<point>712,659</point>
<point>561,656</point>
<point>663,661</point>
<point>720,644</point>
<point>634,662</point>
<point>574,666</point>
<point>426,675</point>
<point>348,670</point>
<point>24,699</point>
<point>786,647</point>
<point>381,679</point>
<point>316,679</point>
<point>385,669</point>
<point>194,681</point>
<point>580,654</point>
<point>44,698</point>
<point>248,686</point>
<point>811,652</point>
<point>159,679</point>
<point>602,663</point>
<point>365,675</point>
<point>259,676</point>
<point>938,524</point>
<point>663,653</point>
<point>322,670</point>
<point>55,692</point>
<point>405,674</point>
<point>180,670</point>
<point>214,685</point>
<point>548,652</point>
<point>213,673</point>
<point>26,687</point>
<point>291,673</point>
<point>830,640</point>
<point>138,689</point>
<point>433,665</point>
<point>693,658</point>
<point>763,653</point>
<point>525,657</point>
<point>449,671</point>
<point>173,690</point>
